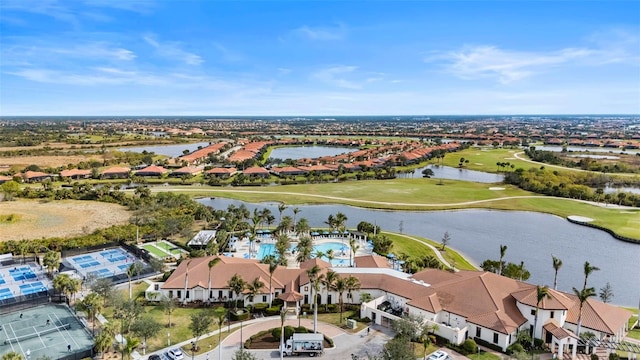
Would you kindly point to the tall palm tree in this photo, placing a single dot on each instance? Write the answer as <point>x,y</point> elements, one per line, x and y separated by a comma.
<point>341,219</point>
<point>273,265</point>
<point>132,271</point>
<point>329,281</point>
<point>295,212</point>
<point>211,264</point>
<point>331,221</point>
<point>583,295</point>
<point>354,249</point>
<point>542,292</point>
<point>353,284</point>
<point>330,255</point>
<point>131,344</point>
<point>237,285</point>
<point>313,274</point>
<point>503,251</point>
<point>281,208</point>
<point>557,264</point>
<point>340,286</point>
<point>588,269</point>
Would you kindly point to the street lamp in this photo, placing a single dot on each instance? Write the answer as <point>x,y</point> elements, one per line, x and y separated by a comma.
<point>193,349</point>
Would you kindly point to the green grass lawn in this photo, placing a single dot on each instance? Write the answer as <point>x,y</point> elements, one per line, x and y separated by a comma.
<point>155,250</point>
<point>169,248</point>
<point>415,248</point>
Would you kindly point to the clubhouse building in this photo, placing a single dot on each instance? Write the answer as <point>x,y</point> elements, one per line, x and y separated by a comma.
<point>464,304</point>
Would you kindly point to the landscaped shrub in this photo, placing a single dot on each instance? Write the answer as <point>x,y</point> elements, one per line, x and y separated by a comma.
<point>594,357</point>
<point>469,347</point>
<point>302,330</point>
<point>288,332</point>
<point>487,344</point>
<point>514,348</point>
<point>614,356</point>
<point>237,316</point>
<point>274,310</point>
<point>260,307</point>
<point>333,308</point>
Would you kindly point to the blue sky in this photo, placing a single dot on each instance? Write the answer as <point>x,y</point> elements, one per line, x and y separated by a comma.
<point>164,57</point>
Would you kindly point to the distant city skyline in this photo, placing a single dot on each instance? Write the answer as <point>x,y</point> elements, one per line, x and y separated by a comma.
<point>318,58</point>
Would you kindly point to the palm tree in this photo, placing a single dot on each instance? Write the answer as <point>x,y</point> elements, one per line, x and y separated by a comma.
<point>295,212</point>
<point>583,295</point>
<point>542,292</point>
<point>281,208</point>
<point>211,264</point>
<point>254,288</point>
<point>340,286</point>
<point>304,249</point>
<point>12,355</point>
<point>503,251</point>
<point>131,344</point>
<point>588,269</point>
<point>331,221</point>
<point>329,281</point>
<point>313,274</point>
<point>132,270</point>
<point>354,249</point>
<point>220,316</point>
<point>340,221</point>
<point>103,342</point>
<point>285,224</point>
<point>237,285</point>
<point>273,265</point>
<point>557,264</point>
<point>353,284</point>
<point>330,255</point>
<point>302,227</point>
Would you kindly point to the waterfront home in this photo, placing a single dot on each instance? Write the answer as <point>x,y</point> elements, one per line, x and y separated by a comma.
<point>116,172</point>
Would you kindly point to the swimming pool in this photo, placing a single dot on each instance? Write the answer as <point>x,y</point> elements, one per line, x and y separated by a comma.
<point>270,249</point>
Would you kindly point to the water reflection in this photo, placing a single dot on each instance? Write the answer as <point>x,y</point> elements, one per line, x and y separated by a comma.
<point>310,152</point>
<point>168,150</point>
<point>530,237</point>
<point>447,172</point>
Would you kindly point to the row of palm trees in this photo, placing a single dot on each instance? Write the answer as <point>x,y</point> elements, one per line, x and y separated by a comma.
<point>332,282</point>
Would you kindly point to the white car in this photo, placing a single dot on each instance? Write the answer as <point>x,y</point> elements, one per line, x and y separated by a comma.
<point>175,354</point>
<point>438,355</point>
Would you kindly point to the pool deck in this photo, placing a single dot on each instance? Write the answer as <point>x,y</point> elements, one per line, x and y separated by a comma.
<point>341,259</point>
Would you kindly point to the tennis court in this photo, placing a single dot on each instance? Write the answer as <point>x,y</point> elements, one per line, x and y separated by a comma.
<point>162,249</point>
<point>45,330</point>
<point>102,263</point>
<point>17,282</point>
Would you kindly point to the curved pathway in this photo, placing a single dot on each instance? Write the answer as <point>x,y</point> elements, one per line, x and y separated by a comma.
<point>517,156</point>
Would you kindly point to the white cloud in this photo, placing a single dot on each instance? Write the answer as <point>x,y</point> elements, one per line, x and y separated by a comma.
<point>228,55</point>
<point>173,51</point>
<point>336,76</point>
<point>321,33</point>
<point>505,65</point>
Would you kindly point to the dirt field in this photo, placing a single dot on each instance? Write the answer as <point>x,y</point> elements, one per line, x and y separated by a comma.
<point>47,161</point>
<point>58,218</point>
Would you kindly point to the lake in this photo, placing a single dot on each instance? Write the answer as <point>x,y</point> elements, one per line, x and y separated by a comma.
<point>478,234</point>
<point>168,150</point>
<point>448,172</point>
<point>310,152</point>
<point>586,149</point>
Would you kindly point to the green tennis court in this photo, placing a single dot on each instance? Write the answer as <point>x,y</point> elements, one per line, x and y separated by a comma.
<point>47,330</point>
<point>155,251</point>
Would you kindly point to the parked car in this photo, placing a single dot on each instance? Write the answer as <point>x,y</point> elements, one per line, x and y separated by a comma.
<point>438,355</point>
<point>175,354</point>
<point>154,357</point>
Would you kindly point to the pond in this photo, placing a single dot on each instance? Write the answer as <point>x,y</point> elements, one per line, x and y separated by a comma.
<point>447,172</point>
<point>309,152</point>
<point>173,151</point>
<point>478,234</point>
<point>627,189</point>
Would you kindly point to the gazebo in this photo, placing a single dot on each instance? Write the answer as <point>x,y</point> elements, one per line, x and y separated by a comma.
<point>291,300</point>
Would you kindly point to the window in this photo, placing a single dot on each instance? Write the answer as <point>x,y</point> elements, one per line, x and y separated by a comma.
<point>179,294</point>
<point>329,299</point>
<point>220,294</point>
<point>306,299</point>
<point>533,311</point>
<point>230,294</point>
<point>170,294</point>
<point>264,298</point>
<point>187,294</point>
<point>495,338</point>
<point>551,315</point>
<point>478,332</point>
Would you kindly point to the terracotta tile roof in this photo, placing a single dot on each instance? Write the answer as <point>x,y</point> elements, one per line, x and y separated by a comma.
<point>291,296</point>
<point>5,178</point>
<point>203,153</point>
<point>557,331</point>
<point>187,170</point>
<point>557,300</point>
<point>372,261</point>
<point>222,171</point>
<point>75,172</point>
<point>35,174</point>
<point>598,316</point>
<point>256,170</point>
<point>152,169</point>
